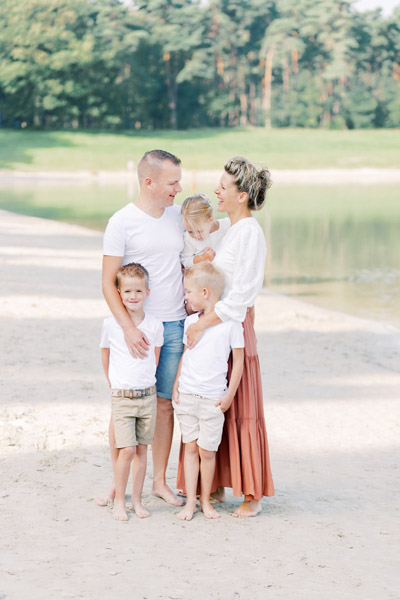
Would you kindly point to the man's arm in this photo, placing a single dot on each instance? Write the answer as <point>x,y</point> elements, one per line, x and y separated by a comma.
<point>135,339</point>
<point>236,376</point>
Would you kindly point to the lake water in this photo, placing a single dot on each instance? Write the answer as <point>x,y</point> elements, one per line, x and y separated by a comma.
<point>334,246</point>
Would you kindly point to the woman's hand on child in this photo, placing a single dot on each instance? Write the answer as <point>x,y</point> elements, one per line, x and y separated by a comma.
<point>194,333</point>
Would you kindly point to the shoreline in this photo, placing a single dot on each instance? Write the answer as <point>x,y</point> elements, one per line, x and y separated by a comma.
<point>335,176</point>
<point>331,388</point>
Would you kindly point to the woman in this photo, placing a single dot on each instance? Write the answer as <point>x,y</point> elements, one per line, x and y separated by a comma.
<point>243,458</point>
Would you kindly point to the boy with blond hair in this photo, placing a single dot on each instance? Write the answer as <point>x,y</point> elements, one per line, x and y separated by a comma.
<point>201,395</point>
<point>133,392</point>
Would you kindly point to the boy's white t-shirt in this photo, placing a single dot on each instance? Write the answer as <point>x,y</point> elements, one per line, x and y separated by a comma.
<point>126,372</point>
<point>156,244</point>
<point>193,247</point>
<point>204,367</point>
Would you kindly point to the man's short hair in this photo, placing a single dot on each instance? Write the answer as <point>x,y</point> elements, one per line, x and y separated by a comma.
<point>154,159</point>
<point>133,270</point>
<point>205,275</point>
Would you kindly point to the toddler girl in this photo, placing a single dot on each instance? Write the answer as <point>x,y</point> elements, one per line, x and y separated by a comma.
<point>203,233</point>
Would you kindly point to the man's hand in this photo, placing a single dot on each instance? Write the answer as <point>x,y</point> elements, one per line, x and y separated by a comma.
<point>137,342</point>
<point>224,402</point>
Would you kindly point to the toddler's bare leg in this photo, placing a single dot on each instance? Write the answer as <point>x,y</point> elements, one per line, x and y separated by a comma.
<point>207,468</point>
<point>138,474</point>
<point>121,473</point>
<point>191,467</point>
<point>104,498</point>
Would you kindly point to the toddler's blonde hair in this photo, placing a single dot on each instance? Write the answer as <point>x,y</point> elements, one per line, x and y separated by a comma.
<point>196,208</point>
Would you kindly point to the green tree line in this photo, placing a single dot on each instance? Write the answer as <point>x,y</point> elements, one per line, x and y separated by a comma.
<point>194,63</point>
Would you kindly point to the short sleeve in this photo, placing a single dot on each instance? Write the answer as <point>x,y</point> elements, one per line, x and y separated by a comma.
<point>114,238</point>
<point>236,337</point>
<point>104,341</point>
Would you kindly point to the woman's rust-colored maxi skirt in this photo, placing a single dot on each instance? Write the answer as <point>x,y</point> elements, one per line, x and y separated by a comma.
<point>243,458</point>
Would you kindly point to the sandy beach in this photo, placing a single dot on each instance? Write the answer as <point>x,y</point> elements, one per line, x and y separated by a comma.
<point>331,397</point>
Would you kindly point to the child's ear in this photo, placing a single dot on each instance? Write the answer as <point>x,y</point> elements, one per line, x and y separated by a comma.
<point>147,292</point>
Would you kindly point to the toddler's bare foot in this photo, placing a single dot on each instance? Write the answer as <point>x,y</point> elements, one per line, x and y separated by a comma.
<point>248,508</point>
<point>218,495</point>
<point>164,492</point>
<point>187,512</point>
<point>140,510</point>
<point>119,511</point>
<point>208,511</point>
<point>106,498</point>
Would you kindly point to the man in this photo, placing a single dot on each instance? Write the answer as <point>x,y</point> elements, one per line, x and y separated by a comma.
<point>149,231</point>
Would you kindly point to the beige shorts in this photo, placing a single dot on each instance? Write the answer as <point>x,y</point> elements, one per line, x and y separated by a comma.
<point>200,420</point>
<point>134,420</point>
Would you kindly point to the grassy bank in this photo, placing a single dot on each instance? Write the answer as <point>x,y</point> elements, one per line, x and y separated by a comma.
<point>201,149</point>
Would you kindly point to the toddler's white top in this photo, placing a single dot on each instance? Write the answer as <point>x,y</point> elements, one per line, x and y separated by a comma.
<point>156,244</point>
<point>204,367</point>
<point>193,247</point>
<point>126,372</point>
<point>241,257</point>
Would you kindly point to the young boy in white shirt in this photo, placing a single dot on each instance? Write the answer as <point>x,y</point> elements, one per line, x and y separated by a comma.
<point>200,394</point>
<point>133,392</point>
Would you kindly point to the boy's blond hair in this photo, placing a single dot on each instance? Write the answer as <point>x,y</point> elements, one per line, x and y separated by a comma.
<point>205,275</point>
<point>133,270</point>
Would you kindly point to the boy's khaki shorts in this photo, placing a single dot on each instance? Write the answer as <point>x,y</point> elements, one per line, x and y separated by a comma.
<point>134,420</point>
<point>200,420</point>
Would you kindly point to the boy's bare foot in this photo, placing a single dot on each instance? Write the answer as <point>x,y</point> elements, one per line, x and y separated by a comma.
<point>208,511</point>
<point>119,511</point>
<point>104,500</point>
<point>165,493</point>
<point>187,512</point>
<point>140,510</point>
<point>218,495</point>
<point>248,508</point>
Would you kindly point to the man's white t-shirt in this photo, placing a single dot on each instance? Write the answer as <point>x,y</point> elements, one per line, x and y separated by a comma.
<point>126,372</point>
<point>193,247</point>
<point>204,367</point>
<point>156,244</point>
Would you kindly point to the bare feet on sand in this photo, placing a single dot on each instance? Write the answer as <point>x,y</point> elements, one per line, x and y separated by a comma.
<point>208,511</point>
<point>168,495</point>
<point>218,495</point>
<point>187,512</point>
<point>139,510</point>
<point>249,508</point>
<point>106,498</point>
<point>119,511</point>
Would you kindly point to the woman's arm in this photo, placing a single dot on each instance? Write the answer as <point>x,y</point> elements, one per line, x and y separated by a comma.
<point>196,330</point>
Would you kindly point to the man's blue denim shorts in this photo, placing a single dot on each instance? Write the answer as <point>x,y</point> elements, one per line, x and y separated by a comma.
<point>170,355</point>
